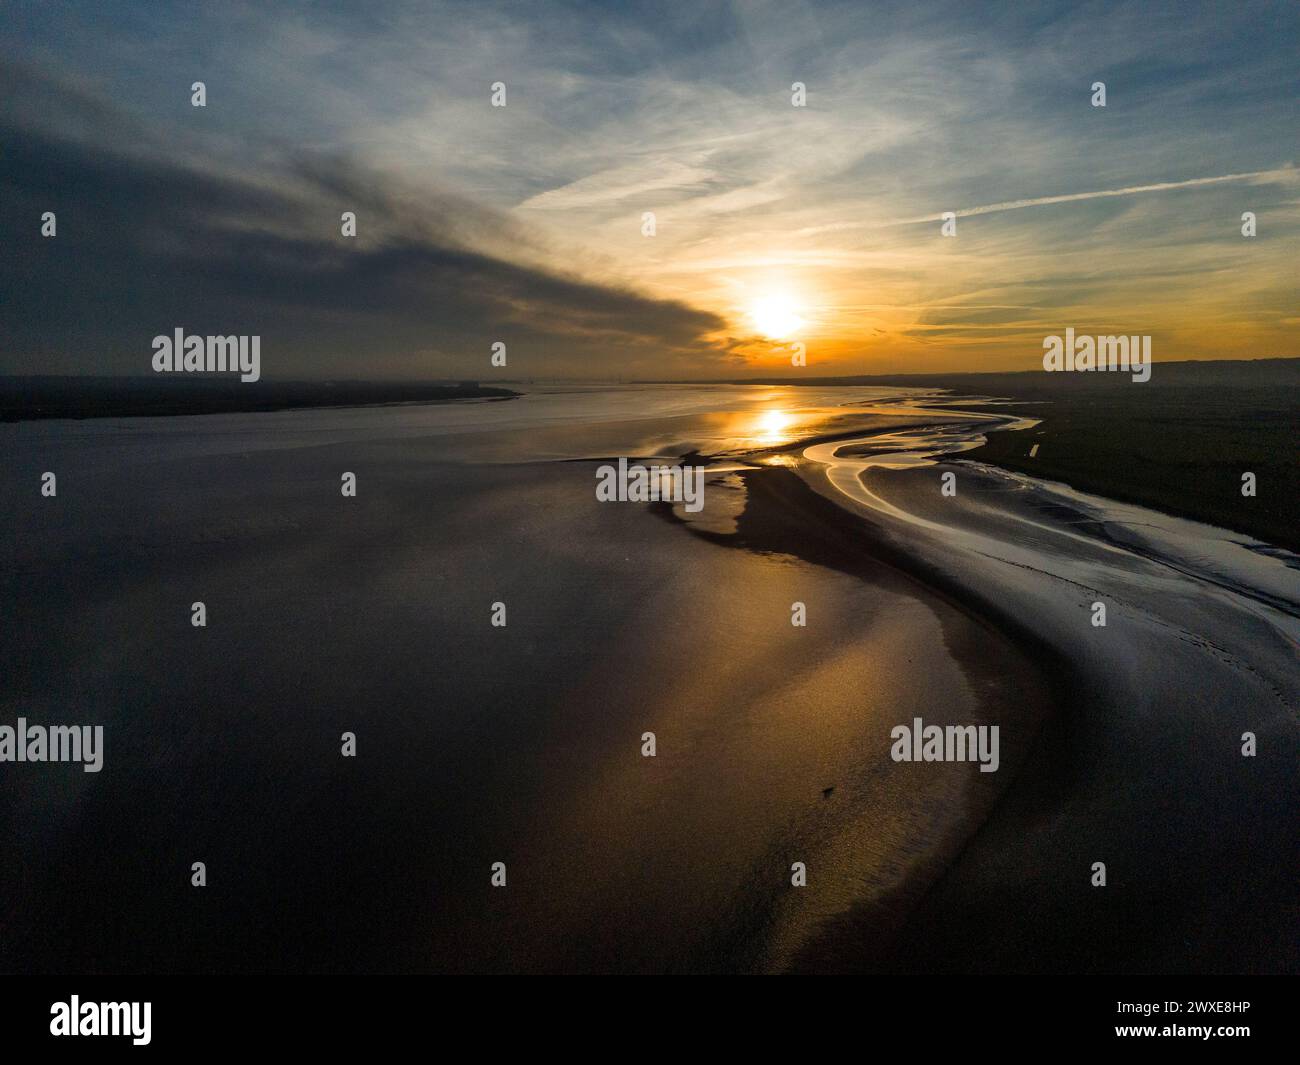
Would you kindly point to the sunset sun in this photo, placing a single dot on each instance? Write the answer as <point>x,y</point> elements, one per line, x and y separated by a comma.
<point>774,316</point>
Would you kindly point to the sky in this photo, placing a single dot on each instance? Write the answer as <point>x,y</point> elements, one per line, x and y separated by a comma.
<point>774,225</point>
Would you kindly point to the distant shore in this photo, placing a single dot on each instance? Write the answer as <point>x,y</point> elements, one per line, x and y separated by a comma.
<point>31,398</point>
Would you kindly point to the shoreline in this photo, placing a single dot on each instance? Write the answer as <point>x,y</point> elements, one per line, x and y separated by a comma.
<point>1100,486</point>
<point>1005,444</point>
<point>75,400</point>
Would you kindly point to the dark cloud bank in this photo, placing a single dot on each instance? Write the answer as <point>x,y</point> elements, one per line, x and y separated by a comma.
<point>156,233</point>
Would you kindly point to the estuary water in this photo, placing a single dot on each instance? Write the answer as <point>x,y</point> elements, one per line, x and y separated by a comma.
<point>524,744</point>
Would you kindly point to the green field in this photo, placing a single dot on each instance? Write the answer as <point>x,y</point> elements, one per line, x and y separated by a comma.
<point>1177,450</point>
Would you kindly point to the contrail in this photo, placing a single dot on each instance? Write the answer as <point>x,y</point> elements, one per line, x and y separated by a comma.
<point>1283,174</point>
<point>1287,173</point>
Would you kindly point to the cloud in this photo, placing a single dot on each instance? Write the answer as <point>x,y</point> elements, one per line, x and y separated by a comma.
<point>149,240</point>
<point>614,186</point>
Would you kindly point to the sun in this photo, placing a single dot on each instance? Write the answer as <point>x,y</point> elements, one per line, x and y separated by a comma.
<point>774,316</point>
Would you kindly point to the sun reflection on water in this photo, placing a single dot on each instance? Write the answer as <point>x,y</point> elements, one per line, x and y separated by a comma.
<point>772,428</point>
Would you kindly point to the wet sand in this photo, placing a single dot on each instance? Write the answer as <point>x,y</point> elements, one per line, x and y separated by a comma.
<point>1143,768</point>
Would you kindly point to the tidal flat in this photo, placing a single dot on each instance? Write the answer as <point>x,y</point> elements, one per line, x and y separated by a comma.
<point>522,744</point>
